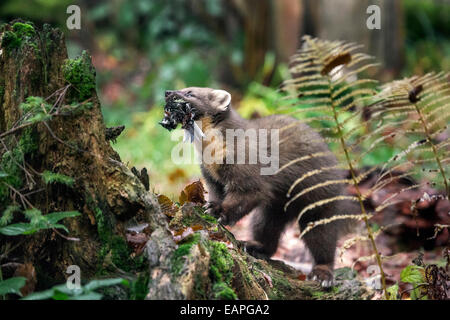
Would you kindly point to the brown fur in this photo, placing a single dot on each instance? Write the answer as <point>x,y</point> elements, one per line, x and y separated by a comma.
<point>237,189</point>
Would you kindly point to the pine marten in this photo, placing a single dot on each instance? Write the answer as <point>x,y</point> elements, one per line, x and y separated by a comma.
<point>236,189</point>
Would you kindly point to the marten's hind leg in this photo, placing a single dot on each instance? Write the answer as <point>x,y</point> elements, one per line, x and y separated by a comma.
<point>321,242</point>
<point>267,226</point>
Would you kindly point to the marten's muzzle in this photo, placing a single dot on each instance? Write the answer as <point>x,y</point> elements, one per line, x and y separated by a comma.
<point>178,111</point>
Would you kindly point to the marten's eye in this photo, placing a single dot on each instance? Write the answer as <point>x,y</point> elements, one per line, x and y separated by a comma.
<point>188,94</point>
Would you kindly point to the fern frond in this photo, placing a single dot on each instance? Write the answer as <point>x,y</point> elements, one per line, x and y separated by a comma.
<point>344,94</point>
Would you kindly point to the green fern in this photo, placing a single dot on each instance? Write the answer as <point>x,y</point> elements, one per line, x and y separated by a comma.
<point>52,177</point>
<point>38,222</point>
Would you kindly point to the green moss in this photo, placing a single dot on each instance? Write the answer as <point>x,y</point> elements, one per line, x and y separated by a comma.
<point>200,287</point>
<point>23,30</point>
<point>120,253</point>
<point>221,261</point>
<point>81,74</point>
<point>223,292</point>
<point>114,245</point>
<point>280,286</point>
<point>14,39</point>
<point>221,270</point>
<point>10,41</point>
<point>209,218</point>
<point>28,142</point>
<point>179,255</point>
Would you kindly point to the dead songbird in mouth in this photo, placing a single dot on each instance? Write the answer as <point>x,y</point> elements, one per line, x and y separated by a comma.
<point>178,111</point>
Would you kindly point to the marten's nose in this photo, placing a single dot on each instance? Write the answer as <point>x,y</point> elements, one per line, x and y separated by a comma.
<point>168,93</point>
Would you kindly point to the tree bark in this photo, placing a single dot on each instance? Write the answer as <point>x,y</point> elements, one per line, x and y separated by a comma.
<point>185,255</point>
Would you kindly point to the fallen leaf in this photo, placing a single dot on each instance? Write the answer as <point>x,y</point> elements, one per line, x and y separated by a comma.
<point>194,192</point>
<point>167,206</point>
<point>137,241</point>
<point>302,277</point>
<point>27,271</point>
<point>181,234</point>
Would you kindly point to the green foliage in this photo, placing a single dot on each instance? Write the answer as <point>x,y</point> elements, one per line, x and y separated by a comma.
<point>37,222</point>
<point>35,110</point>
<point>86,292</point>
<point>39,11</point>
<point>52,177</point>
<point>81,74</point>
<point>139,287</point>
<point>415,275</point>
<point>426,19</point>
<point>393,292</point>
<point>12,173</point>
<point>412,274</point>
<point>183,48</point>
<point>8,214</point>
<point>12,286</point>
<point>13,39</point>
<point>427,36</point>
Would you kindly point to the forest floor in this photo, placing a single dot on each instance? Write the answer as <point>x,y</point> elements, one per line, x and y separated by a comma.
<point>293,252</point>
<point>408,235</point>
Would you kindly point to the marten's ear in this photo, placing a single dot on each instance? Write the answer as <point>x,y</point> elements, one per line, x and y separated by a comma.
<point>220,99</point>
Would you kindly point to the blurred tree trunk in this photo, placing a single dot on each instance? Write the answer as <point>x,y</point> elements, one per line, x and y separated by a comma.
<point>256,19</point>
<point>346,20</point>
<point>287,24</point>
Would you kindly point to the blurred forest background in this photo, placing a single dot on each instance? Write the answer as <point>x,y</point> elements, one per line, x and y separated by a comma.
<point>141,48</point>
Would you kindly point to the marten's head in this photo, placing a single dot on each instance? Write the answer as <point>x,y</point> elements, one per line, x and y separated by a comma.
<point>206,102</point>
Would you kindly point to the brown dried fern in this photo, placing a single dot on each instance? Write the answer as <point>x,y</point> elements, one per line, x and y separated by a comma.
<point>325,93</point>
<point>357,119</point>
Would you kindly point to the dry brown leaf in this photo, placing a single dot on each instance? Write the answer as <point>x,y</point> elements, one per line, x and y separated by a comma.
<point>167,205</point>
<point>137,241</point>
<point>27,271</point>
<point>194,192</point>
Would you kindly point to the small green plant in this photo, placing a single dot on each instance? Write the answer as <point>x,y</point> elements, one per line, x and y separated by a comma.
<point>12,286</point>
<point>86,292</point>
<point>52,177</point>
<point>38,221</point>
<point>415,275</point>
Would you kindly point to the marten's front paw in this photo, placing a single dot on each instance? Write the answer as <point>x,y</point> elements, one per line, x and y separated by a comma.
<point>322,273</point>
<point>213,208</point>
